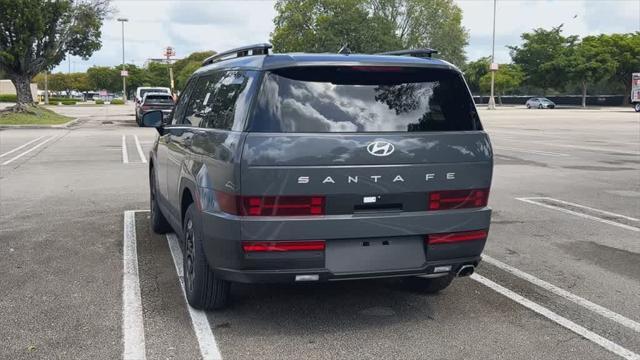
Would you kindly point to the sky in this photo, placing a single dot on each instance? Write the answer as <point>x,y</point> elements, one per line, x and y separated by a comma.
<point>198,25</point>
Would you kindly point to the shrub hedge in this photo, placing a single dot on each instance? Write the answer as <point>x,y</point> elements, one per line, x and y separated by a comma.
<point>117,102</point>
<point>99,102</point>
<point>8,98</point>
<point>68,102</point>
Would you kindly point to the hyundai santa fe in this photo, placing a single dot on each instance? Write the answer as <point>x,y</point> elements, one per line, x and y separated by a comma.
<point>321,167</point>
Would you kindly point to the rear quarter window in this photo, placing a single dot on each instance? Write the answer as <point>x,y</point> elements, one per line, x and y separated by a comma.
<point>363,99</point>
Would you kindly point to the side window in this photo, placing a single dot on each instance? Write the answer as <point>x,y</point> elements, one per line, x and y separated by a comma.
<point>179,110</point>
<point>220,100</point>
<point>199,106</point>
<point>222,105</point>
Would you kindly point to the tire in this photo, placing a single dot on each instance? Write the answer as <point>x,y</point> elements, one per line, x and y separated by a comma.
<point>203,290</point>
<point>159,223</point>
<point>637,107</point>
<point>429,285</point>
<point>528,106</point>
<point>540,106</point>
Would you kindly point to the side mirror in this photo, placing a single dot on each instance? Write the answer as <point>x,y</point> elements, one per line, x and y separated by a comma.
<point>153,119</point>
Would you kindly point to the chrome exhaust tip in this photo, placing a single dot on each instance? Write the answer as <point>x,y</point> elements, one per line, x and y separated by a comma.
<point>466,270</point>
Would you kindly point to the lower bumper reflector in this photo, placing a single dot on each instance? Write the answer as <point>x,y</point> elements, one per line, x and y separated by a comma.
<point>315,277</point>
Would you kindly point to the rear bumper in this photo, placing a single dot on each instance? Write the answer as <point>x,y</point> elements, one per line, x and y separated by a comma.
<point>223,235</point>
<point>324,275</point>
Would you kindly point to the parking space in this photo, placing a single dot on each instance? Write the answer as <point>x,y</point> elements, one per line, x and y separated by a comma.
<point>560,280</point>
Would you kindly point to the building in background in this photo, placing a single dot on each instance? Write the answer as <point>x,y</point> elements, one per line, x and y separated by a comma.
<point>159,61</point>
<point>7,88</point>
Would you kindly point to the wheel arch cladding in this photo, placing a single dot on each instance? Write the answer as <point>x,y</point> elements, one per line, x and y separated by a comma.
<point>185,200</point>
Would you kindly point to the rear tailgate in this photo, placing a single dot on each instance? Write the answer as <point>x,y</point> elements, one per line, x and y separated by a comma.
<point>365,195</point>
<point>370,144</point>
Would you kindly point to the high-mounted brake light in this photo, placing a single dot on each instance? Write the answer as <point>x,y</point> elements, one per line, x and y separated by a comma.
<point>377,68</point>
<point>458,199</point>
<point>279,246</point>
<point>448,238</point>
<point>271,205</point>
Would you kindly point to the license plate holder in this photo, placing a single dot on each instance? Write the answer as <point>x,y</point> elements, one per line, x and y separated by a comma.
<point>374,254</point>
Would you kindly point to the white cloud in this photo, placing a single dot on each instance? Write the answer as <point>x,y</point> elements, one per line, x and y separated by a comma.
<point>218,25</point>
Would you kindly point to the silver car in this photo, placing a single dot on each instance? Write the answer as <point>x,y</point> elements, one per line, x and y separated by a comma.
<point>540,103</point>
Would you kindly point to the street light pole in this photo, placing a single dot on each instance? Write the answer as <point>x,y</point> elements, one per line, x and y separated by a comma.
<point>123,72</point>
<point>494,67</point>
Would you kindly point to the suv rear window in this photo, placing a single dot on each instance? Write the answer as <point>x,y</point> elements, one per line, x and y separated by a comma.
<point>363,99</point>
<point>158,99</point>
<point>144,91</point>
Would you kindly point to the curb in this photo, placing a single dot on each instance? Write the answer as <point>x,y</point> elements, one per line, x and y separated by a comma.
<point>27,126</point>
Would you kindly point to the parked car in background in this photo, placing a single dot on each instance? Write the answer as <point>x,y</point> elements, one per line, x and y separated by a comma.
<point>142,90</point>
<point>540,103</point>
<point>154,101</point>
<point>321,167</point>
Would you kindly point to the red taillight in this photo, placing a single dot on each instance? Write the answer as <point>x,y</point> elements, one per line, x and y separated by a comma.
<point>448,238</point>
<point>458,199</point>
<point>145,107</point>
<point>271,205</point>
<point>266,246</point>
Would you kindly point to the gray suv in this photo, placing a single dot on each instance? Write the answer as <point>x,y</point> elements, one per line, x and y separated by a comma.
<point>321,167</point>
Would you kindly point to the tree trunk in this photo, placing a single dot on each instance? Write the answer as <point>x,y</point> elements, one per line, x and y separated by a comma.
<point>584,94</point>
<point>627,92</point>
<point>23,89</point>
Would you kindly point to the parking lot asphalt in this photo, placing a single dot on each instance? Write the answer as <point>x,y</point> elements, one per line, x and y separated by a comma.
<point>561,278</point>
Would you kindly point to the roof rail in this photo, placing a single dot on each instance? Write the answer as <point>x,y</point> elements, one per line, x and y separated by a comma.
<point>411,52</point>
<point>255,49</point>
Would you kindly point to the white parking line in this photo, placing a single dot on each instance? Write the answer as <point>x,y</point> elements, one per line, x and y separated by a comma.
<point>206,340</point>
<point>21,146</point>
<point>624,321</point>
<point>528,151</point>
<point>584,207</point>
<point>591,148</point>
<point>125,155</point>
<point>140,152</point>
<point>562,321</point>
<point>132,323</point>
<point>28,151</point>
<point>532,200</point>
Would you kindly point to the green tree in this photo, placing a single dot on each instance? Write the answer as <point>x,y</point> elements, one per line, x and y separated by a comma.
<point>474,71</point>
<point>624,49</point>
<point>158,75</point>
<point>370,26</point>
<point>433,24</point>
<point>104,78</point>
<point>586,63</point>
<point>137,77</point>
<point>36,35</point>
<point>59,82</point>
<point>507,78</point>
<point>183,68</point>
<point>79,82</point>
<point>539,54</point>
<point>327,25</point>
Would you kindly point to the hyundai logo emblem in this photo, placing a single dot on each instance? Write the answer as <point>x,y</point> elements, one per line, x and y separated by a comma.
<point>380,148</point>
